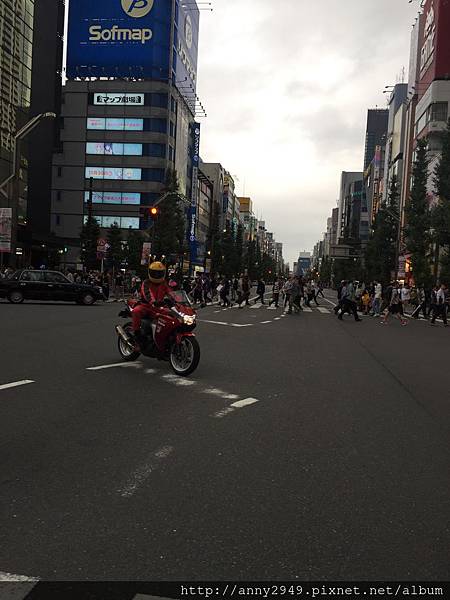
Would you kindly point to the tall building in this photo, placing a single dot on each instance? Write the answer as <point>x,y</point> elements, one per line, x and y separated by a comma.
<point>346,209</point>
<point>377,123</point>
<point>31,49</point>
<point>128,116</point>
<point>395,139</point>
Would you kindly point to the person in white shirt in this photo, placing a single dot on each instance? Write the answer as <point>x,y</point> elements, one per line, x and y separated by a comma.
<point>406,296</point>
<point>440,308</point>
<point>377,298</point>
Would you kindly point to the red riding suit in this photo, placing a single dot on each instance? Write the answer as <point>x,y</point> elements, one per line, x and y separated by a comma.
<point>150,293</point>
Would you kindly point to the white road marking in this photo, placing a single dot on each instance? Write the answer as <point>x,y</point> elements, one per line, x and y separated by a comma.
<point>256,306</point>
<point>220,393</point>
<point>217,311</point>
<point>14,384</point>
<point>277,319</point>
<point>144,472</point>
<point>233,407</point>
<point>134,365</point>
<point>271,308</point>
<point>214,322</point>
<point>177,380</point>
<point>151,371</point>
<point>324,311</point>
<point>12,577</point>
<point>238,325</point>
<point>246,402</point>
<point>265,322</point>
<point>308,310</point>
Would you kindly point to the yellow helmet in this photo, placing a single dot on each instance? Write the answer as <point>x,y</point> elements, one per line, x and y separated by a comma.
<point>157,272</point>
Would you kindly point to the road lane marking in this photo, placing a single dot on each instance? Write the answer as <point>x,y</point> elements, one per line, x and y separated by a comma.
<point>143,473</point>
<point>246,402</point>
<point>115,365</point>
<point>14,384</point>
<point>220,393</point>
<point>265,322</point>
<point>151,371</point>
<point>277,319</point>
<point>324,311</point>
<point>238,325</point>
<point>307,309</point>
<point>214,322</point>
<point>11,577</point>
<point>177,380</point>
<point>233,407</point>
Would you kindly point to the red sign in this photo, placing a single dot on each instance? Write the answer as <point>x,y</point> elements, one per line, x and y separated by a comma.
<point>434,43</point>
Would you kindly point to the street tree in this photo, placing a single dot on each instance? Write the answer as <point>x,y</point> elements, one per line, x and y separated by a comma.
<point>89,236</point>
<point>418,219</point>
<point>115,252</point>
<point>133,249</point>
<point>381,251</point>
<point>441,212</point>
<point>170,226</point>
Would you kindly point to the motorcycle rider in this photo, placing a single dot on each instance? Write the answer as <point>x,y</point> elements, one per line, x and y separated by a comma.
<point>153,291</point>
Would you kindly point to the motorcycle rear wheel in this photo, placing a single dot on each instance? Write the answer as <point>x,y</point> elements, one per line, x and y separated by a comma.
<point>125,350</point>
<point>184,357</point>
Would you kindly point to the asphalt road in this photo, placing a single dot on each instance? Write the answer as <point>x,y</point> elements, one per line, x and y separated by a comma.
<point>335,466</point>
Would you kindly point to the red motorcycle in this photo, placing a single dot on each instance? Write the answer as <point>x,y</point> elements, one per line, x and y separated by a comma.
<point>167,336</point>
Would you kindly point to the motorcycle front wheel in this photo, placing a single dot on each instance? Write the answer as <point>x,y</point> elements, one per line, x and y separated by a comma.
<point>126,351</point>
<point>185,356</point>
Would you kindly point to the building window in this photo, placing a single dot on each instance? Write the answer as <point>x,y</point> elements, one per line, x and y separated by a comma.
<point>116,173</point>
<point>113,149</point>
<point>58,196</point>
<point>122,222</point>
<point>438,111</point>
<point>172,129</point>
<point>58,219</point>
<point>129,198</point>
<point>59,171</point>
<point>159,100</point>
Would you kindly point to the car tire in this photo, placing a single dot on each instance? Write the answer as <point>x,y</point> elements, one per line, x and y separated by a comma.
<point>87,299</point>
<point>15,297</point>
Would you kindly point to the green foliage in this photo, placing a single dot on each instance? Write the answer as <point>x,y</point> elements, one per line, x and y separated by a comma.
<point>325,269</point>
<point>441,212</point>
<point>133,249</point>
<point>381,251</point>
<point>418,217</point>
<point>89,236</point>
<point>170,227</point>
<point>115,253</point>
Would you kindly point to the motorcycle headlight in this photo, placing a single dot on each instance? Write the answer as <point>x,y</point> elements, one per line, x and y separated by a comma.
<point>189,319</point>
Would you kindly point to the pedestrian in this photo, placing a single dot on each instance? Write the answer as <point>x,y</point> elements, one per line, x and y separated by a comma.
<point>377,299</point>
<point>260,290</point>
<point>405,297</point>
<point>224,292</point>
<point>234,289</point>
<point>440,306</point>
<point>287,292</point>
<point>320,290</point>
<point>395,306</point>
<point>294,298</point>
<point>118,285</point>
<point>70,277</point>
<point>245,284</point>
<point>365,299</point>
<point>421,303</point>
<point>348,302</point>
<point>198,290</point>
<point>275,292</point>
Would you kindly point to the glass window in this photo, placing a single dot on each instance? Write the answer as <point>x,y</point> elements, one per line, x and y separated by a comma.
<point>110,221</point>
<point>134,124</point>
<point>132,149</point>
<point>132,174</point>
<point>129,222</point>
<point>156,150</point>
<point>95,123</point>
<point>438,111</point>
<point>32,276</point>
<point>115,124</point>
<point>55,277</point>
<point>157,125</point>
<point>112,198</point>
<point>133,198</point>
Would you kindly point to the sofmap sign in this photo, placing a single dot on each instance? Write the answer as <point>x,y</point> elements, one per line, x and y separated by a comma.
<point>119,99</point>
<point>434,43</point>
<point>194,178</point>
<point>119,38</point>
<point>186,46</point>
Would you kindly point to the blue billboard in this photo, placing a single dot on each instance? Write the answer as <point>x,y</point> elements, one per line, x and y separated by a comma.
<point>119,38</point>
<point>187,24</point>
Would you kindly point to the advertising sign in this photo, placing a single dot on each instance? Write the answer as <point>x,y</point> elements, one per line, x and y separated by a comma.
<point>186,44</point>
<point>119,38</point>
<point>146,252</point>
<point>113,149</point>
<point>113,173</point>
<point>5,229</point>
<point>100,124</point>
<point>194,193</point>
<point>119,99</point>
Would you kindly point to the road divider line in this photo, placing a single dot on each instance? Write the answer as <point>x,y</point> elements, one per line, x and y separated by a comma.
<point>135,365</point>
<point>220,393</point>
<point>7,386</point>
<point>265,322</point>
<point>239,325</point>
<point>143,473</point>
<point>214,322</point>
<point>277,319</point>
<point>246,402</point>
<point>177,380</point>
<point>233,407</point>
<point>11,577</point>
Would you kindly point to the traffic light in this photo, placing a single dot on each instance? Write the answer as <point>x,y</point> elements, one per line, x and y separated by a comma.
<point>154,212</point>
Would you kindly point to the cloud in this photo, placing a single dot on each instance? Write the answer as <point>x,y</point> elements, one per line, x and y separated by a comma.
<point>287,85</point>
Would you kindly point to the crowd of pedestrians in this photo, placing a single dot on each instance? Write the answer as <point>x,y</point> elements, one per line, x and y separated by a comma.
<point>395,300</point>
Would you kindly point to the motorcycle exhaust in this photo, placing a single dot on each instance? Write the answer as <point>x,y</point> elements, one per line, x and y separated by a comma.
<point>123,334</point>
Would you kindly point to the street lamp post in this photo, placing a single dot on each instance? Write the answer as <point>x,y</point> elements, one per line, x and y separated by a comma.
<point>11,183</point>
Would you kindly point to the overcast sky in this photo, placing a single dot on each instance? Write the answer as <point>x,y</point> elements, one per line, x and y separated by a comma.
<point>286,85</point>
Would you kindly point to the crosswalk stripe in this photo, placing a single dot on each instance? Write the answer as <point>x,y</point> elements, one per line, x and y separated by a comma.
<point>324,311</point>
<point>308,310</point>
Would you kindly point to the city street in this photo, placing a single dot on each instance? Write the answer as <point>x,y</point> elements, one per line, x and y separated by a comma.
<point>303,447</point>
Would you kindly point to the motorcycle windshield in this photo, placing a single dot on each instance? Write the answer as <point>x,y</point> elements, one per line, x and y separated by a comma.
<point>180,297</point>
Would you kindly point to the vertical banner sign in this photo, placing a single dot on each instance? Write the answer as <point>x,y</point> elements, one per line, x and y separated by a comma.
<point>194,193</point>
<point>5,229</point>
<point>146,252</point>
